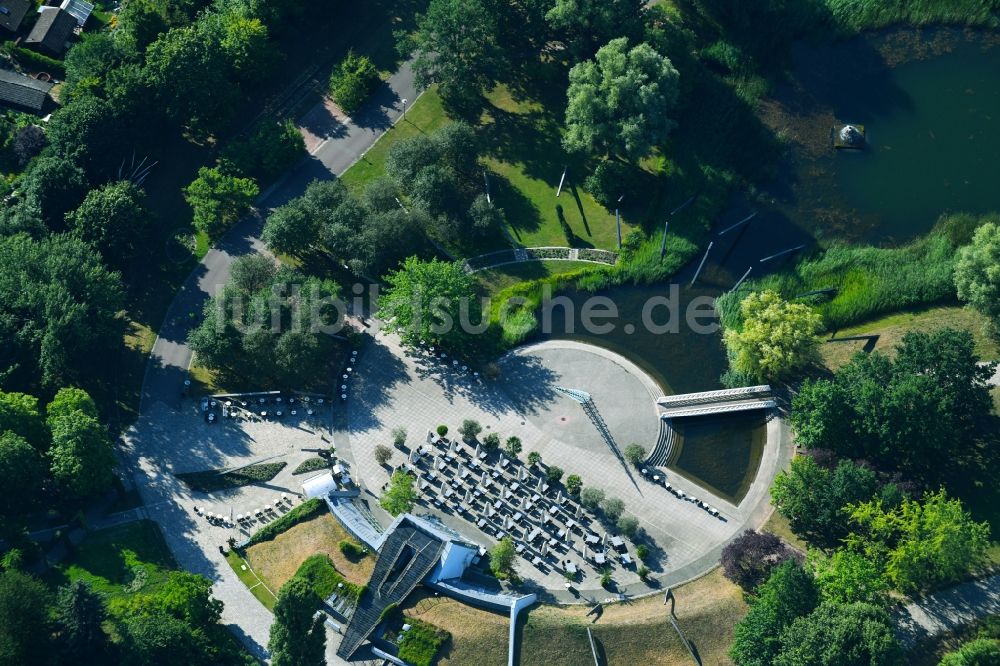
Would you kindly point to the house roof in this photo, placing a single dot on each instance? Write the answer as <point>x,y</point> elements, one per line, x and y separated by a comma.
<point>52,30</point>
<point>23,91</point>
<point>12,13</point>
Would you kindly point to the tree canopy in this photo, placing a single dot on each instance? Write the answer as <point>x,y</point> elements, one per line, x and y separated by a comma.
<point>400,496</point>
<point>219,199</point>
<point>749,559</point>
<point>503,558</point>
<point>297,637</point>
<point>111,219</point>
<point>977,274</point>
<point>777,337</point>
<point>834,634</point>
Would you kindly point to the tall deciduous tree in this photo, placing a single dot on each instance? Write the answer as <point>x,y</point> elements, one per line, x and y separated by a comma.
<point>457,48</point>
<point>219,199</point>
<point>977,274</point>
<point>57,184</point>
<point>777,338</point>
<point>81,455</point>
<point>789,593</point>
<point>24,620</point>
<point>400,496</point>
<point>834,634</point>
<point>619,103</point>
<point>848,577</point>
<point>428,300</point>
<point>502,558</point>
<point>111,219</point>
<point>586,24</point>
<point>20,415</point>
<point>749,559</point>
<point>22,473</point>
<point>297,637</point>
<point>81,614</point>
<point>921,544</point>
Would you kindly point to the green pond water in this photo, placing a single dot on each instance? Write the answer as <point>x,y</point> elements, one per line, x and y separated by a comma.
<point>930,102</point>
<point>933,134</point>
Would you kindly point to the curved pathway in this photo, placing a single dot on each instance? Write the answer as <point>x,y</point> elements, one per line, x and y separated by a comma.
<point>154,449</point>
<point>948,610</point>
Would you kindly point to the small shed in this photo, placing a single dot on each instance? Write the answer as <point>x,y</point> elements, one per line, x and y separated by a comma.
<point>12,12</point>
<point>23,92</point>
<point>52,31</point>
<point>78,9</point>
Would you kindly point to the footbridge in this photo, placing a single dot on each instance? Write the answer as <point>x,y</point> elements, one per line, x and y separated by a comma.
<point>716,402</point>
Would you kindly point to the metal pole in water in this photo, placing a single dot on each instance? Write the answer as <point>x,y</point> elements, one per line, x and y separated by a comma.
<point>663,245</point>
<point>559,189</point>
<point>743,221</point>
<point>486,178</point>
<point>698,272</point>
<point>736,286</point>
<point>683,205</point>
<point>618,225</point>
<point>782,253</point>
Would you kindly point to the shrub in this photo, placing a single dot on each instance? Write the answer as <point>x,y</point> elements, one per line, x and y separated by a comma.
<point>299,514</point>
<point>442,430</point>
<point>643,572</point>
<point>573,484</point>
<point>353,81</point>
<point>609,181</point>
<point>311,465</point>
<point>553,474</point>
<point>351,550</point>
<point>214,480</point>
<point>398,437</point>
<point>512,447</point>
<point>606,580</point>
<point>419,646</point>
<point>534,458</point>
<point>979,652</point>
<point>642,551</point>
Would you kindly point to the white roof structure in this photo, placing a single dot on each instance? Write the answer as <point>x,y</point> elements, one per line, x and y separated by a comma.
<point>320,485</point>
<point>78,9</point>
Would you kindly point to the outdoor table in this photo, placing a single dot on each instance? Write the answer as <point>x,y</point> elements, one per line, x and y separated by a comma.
<point>482,521</point>
<point>626,559</point>
<point>617,541</point>
<point>593,538</point>
<point>518,516</point>
<point>534,534</point>
<point>570,567</point>
<point>570,524</point>
<point>519,548</point>
<point>561,533</point>
<point>514,486</point>
<point>497,504</point>
<point>656,478</point>
<point>599,558</point>
<point>537,561</point>
<point>536,497</point>
<point>553,541</point>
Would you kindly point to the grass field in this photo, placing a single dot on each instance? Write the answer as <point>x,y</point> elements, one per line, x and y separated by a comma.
<point>638,632</point>
<point>891,328</point>
<point>479,637</point>
<point>249,577</point>
<point>778,524</point>
<point>496,279</point>
<point>277,560</point>
<point>113,559</point>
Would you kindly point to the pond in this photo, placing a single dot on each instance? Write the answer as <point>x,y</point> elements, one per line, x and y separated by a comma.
<point>930,104</point>
<point>721,452</point>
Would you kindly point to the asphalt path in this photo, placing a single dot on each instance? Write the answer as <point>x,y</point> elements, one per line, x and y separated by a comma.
<point>344,141</point>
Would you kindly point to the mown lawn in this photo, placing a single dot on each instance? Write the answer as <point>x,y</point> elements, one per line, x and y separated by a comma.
<point>891,329</point>
<point>277,560</point>
<point>496,279</point>
<point>249,578</point>
<point>118,560</point>
<point>638,632</point>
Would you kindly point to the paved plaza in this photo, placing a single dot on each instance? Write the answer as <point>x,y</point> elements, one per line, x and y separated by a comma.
<point>421,390</point>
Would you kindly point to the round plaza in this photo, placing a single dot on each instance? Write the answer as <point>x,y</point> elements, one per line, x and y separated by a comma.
<point>578,406</point>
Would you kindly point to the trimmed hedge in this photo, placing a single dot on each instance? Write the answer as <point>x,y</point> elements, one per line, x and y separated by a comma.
<point>299,514</point>
<point>214,479</point>
<point>311,465</point>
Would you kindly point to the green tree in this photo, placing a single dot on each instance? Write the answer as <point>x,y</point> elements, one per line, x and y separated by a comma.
<point>553,474</point>
<point>295,227</point>
<point>297,637</point>
<point>251,274</point>
<point>470,429</point>
<point>400,496</point>
<point>273,148</point>
<point>382,453</point>
<point>977,274</point>
<point>619,102</point>
<point>512,447</point>
<point>22,473</point>
<point>152,638</point>
<point>408,156</point>
<point>635,454</point>
<point>57,184</point>
<point>573,482</point>
<point>81,613</point>
<point>24,620</point>
<point>485,216</point>
<point>612,508</point>
<point>847,577</point>
<point>353,81</point>
<point>591,498</point>
<point>429,301</point>
<point>535,457</point>
<point>921,544</point>
<point>777,338</point>
<point>81,456</point>
<point>586,24</point>
<point>59,311</point>
<point>502,558</point>
<point>246,47</point>
<point>491,442</point>
<point>456,47</point>
<point>821,414</point>
<point>788,594</point>
<point>458,147</point>
<point>813,499</point>
<point>20,415</point>
<point>977,652</point>
<point>628,525</point>
<point>111,219</point>
<point>840,635</point>
<point>219,199</point>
